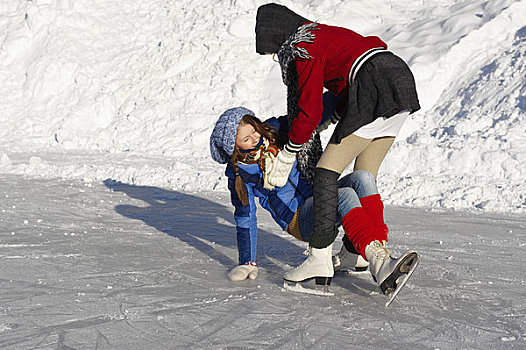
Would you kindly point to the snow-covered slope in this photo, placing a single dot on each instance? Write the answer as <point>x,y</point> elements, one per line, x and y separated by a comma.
<point>129,90</point>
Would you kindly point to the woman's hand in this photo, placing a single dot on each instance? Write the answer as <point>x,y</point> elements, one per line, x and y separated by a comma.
<point>242,272</point>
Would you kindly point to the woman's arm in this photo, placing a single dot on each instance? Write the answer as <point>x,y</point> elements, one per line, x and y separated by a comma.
<point>310,107</point>
<point>310,103</point>
<point>330,115</point>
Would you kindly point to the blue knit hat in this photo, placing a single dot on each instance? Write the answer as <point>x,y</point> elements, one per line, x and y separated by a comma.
<point>223,138</point>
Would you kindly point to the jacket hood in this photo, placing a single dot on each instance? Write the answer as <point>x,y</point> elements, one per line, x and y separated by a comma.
<point>274,25</point>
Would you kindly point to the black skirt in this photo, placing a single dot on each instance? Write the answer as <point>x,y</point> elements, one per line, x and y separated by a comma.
<point>383,87</point>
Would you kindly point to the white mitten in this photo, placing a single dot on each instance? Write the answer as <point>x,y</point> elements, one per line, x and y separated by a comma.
<point>278,175</point>
<point>269,163</point>
<point>242,272</point>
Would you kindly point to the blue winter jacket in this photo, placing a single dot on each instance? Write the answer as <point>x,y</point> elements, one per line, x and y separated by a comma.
<point>281,202</point>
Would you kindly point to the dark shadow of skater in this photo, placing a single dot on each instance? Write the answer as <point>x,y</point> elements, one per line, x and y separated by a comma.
<point>202,224</point>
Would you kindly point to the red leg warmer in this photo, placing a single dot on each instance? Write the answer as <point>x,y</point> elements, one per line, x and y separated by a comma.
<point>360,230</point>
<point>374,207</point>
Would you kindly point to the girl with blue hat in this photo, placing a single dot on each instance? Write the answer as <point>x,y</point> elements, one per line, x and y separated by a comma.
<point>249,147</point>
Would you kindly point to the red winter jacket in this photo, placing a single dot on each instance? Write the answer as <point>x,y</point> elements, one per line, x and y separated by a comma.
<point>333,52</point>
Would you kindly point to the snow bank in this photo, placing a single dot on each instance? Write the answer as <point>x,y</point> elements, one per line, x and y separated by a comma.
<point>130,91</point>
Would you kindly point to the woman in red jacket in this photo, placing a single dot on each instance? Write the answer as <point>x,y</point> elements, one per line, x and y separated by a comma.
<point>376,91</point>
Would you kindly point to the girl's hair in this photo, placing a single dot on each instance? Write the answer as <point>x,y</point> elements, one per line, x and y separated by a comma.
<point>265,131</point>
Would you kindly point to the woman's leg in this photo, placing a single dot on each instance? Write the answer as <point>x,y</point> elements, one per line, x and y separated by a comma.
<point>332,163</point>
<point>348,200</point>
<point>370,159</point>
<point>369,155</point>
<point>373,155</point>
<point>337,157</point>
<point>365,227</point>
<point>358,226</point>
<point>348,256</point>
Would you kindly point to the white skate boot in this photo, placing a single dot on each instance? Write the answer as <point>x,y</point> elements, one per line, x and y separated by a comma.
<point>391,274</point>
<point>317,266</point>
<point>345,260</point>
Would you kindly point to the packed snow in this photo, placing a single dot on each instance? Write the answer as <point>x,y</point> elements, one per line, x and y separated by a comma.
<point>115,223</point>
<point>131,90</point>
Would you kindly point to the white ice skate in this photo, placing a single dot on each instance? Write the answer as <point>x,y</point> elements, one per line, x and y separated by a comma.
<point>346,261</point>
<point>317,266</point>
<point>391,274</point>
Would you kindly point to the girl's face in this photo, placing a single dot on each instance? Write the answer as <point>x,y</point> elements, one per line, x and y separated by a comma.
<point>247,137</point>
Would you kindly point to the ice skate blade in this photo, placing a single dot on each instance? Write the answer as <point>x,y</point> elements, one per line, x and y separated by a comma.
<point>320,281</point>
<point>298,288</point>
<point>353,271</point>
<point>402,283</point>
<point>338,268</point>
<point>404,265</point>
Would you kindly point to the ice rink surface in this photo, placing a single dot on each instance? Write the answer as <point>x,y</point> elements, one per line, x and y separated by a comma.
<point>116,266</point>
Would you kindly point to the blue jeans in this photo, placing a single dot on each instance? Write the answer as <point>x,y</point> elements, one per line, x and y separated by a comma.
<point>351,188</point>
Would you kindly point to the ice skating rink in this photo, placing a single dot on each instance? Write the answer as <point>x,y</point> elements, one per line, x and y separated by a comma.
<point>116,266</point>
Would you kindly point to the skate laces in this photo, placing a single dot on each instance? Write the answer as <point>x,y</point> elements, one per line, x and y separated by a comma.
<point>306,252</point>
<point>379,250</point>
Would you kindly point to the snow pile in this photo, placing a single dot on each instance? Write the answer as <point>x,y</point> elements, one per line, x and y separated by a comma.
<point>468,150</point>
<point>130,91</point>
